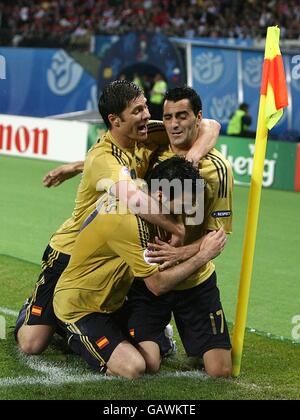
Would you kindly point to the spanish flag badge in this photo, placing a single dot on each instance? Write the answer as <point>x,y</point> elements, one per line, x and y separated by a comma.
<point>102,342</point>
<point>36,310</point>
<point>132,332</point>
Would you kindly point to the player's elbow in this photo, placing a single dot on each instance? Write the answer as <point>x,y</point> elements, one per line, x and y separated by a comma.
<point>158,291</point>
<point>216,127</point>
<point>153,287</point>
<point>155,284</point>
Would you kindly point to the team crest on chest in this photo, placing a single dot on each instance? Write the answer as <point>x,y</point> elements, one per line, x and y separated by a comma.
<point>139,162</point>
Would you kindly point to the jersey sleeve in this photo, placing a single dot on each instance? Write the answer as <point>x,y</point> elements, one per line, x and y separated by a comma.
<point>218,198</point>
<point>105,171</point>
<point>130,243</point>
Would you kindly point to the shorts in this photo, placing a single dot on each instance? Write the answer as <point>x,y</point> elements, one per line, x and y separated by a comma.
<point>40,304</point>
<point>148,315</point>
<point>95,336</point>
<point>198,314</point>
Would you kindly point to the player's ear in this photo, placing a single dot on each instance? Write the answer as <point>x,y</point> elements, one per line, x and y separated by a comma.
<point>114,120</point>
<point>199,117</point>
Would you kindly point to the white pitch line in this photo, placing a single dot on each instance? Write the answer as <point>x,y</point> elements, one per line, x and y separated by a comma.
<point>54,375</point>
<point>51,374</point>
<point>62,375</point>
<point>7,311</point>
<point>51,380</point>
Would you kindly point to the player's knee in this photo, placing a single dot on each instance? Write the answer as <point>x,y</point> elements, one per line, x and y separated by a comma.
<point>152,365</point>
<point>135,370</point>
<point>31,344</point>
<point>219,370</point>
<point>31,347</point>
<point>35,339</point>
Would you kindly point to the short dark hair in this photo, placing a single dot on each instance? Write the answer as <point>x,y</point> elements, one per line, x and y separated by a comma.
<point>244,106</point>
<point>174,168</point>
<point>116,97</point>
<point>178,93</point>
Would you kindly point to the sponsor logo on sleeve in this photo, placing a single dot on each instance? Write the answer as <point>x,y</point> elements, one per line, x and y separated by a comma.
<point>221,213</point>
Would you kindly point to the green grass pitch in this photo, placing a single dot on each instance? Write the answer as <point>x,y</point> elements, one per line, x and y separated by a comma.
<point>30,213</point>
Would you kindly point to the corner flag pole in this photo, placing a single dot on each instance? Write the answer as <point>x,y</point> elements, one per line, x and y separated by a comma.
<point>273,98</point>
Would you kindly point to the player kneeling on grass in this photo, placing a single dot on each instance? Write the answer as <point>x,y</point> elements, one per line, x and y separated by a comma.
<point>195,302</point>
<point>108,254</point>
<point>124,152</point>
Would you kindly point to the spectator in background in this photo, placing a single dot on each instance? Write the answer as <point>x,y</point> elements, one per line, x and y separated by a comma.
<point>157,94</point>
<point>81,38</point>
<point>240,122</point>
<point>146,80</point>
<point>58,20</point>
<point>138,81</point>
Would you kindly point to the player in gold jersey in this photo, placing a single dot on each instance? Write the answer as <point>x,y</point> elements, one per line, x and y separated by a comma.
<point>195,302</point>
<point>108,253</point>
<point>122,155</point>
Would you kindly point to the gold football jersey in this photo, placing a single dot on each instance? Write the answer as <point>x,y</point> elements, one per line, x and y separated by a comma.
<point>107,163</point>
<point>218,177</point>
<point>108,253</point>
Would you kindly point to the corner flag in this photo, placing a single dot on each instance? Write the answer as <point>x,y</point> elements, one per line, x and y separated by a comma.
<point>273,98</point>
<point>273,85</point>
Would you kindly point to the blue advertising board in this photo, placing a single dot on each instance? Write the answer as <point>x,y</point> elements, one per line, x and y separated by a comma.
<point>224,78</point>
<point>41,82</point>
<point>294,62</point>
<point>103,44</point>
<point>215,79</point>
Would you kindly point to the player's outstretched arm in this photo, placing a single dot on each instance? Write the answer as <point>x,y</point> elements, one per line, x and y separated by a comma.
<point>163,281</point>
<point>58,175</point>
<point>207,139</point>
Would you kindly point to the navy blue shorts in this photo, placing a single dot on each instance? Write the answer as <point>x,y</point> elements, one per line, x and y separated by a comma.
<point>40,308</point>
<point>198,314</point>
<point>148,315</point>
<point>95,336</point>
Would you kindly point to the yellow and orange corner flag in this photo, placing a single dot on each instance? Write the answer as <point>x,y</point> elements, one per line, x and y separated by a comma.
<point>273,98</point>
<point>273,85</point>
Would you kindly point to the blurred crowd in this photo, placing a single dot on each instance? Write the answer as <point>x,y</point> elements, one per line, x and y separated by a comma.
<point>154,87</point>
<point>72,22</point>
